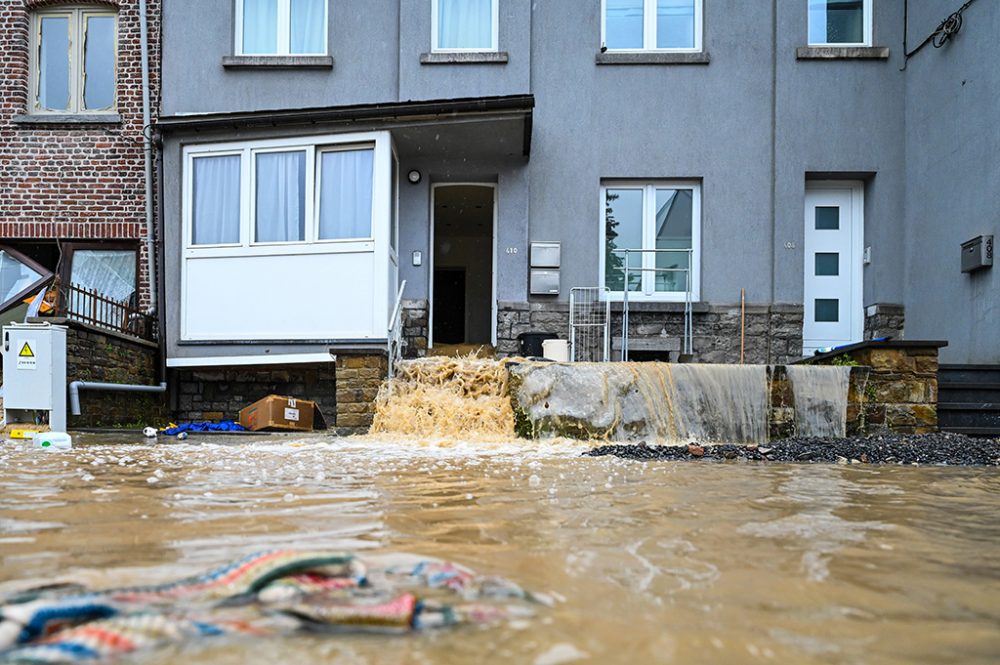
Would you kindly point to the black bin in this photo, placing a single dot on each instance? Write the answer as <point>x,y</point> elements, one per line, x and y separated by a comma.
<point>531,343</point>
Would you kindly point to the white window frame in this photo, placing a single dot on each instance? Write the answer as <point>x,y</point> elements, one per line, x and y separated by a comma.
<point>647,292</point>
<point>78,16</point>
<point>868,29</point>
<point>494,46</point>
<point>649,30</point>
<point>284,28</point>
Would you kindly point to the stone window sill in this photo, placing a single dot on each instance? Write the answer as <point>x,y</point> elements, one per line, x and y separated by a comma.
<point>653,58</point>
<point>68,119</point>
<point>842,53</point>
<point>484,58</point>
<point>277,62</point>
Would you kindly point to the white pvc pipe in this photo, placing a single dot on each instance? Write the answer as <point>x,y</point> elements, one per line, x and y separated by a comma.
<point>76,386</point>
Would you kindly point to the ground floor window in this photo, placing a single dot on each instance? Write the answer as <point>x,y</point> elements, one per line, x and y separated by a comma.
<point>653,229</point>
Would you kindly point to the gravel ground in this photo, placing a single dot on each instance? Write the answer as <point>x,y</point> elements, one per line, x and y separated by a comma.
<point>941,449</point>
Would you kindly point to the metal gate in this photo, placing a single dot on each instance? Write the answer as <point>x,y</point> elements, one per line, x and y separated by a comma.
<point>590,324</point>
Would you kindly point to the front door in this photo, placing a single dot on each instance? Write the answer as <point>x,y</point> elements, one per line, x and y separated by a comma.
<point>834,313</point>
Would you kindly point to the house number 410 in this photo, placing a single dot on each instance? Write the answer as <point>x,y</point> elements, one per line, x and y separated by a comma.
<point>511,250</point>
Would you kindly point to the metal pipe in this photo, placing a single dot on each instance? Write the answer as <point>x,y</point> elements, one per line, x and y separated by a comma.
<point>76,386</point>
<point>147,149</point>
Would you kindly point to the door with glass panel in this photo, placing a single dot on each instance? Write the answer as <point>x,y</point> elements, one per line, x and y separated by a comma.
<point>833,282</point>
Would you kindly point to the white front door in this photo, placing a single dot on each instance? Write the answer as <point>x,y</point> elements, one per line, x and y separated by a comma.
<point>834,234</point>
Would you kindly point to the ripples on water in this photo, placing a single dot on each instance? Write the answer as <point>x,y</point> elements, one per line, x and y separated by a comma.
<point>656,562</point>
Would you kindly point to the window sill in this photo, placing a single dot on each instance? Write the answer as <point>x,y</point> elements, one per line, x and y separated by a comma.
<point>483,58</point>
<point>653,58</point>
<point>842,53</point>
<point>277,62</point>
<point>68,119</point>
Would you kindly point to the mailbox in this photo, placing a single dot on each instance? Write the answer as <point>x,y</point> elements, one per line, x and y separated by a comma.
<point>977,253</point>
<point>545,260</point>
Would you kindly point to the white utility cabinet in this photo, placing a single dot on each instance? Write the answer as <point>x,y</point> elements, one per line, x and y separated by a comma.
<point>34,375</point>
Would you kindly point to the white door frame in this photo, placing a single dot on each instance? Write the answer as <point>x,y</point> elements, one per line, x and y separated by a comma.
<point>857,191</point>
<point>430,263</point>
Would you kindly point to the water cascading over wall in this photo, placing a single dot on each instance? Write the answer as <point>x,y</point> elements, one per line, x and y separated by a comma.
<point>820,395</point>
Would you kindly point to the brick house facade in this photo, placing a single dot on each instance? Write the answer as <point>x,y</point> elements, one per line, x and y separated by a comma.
<point>75,177</point>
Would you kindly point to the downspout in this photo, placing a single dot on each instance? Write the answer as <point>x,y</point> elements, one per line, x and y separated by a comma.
<point>76,386</point>
<point>147,149</point>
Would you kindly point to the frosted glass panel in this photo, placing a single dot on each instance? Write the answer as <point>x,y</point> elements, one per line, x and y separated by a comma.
<point>836,21</point>
<point>345,199</point>
<point>53,69</point>
<point>307,25</point>
<point>260,26</point>
<point>281,196</point>
<point>827,264</point>
<point>465,24</point>
<point>675,24</point>
<point>827,310</point>
<point>623,230</point>
<point>827,218</point>
<point>623,24</point>
<point>99,63</point>
<point>110,272</point>
<point>674,214</point>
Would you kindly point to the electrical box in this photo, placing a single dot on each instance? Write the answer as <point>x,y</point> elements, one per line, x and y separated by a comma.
<point>34,375</point>
<point>977,253</point>
<point>544,259</point>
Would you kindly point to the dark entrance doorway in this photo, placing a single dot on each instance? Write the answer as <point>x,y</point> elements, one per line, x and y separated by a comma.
<point>463,264</point>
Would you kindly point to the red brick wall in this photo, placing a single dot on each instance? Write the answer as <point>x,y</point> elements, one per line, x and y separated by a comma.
<point>73,182</point>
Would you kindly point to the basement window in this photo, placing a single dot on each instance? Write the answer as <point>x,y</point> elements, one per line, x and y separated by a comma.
<point>281,27</point>
<point>20,277</point>
<point>840,22</point>
<point>74,58</point>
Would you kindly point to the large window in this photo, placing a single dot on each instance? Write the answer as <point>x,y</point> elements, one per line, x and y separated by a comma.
<point>840,22</point>
<point>73,60</point>
<point>268,194</point>
<point>464,25</point>
<point>659,223</point>
<point>281,27</point>
<point>651,25</point>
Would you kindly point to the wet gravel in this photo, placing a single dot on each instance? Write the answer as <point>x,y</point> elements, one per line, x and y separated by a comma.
<point>933,449</point>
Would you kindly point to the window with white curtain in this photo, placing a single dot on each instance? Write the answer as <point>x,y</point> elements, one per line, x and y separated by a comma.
<point>651,25</point>
<point>345,194</point>
<point>840,22</point>
<point>280,196</point>
<point>74,53</point>
<point>464,25</point>
<point>659,222</point>
<point>281,27</point>
<point>215,189</point>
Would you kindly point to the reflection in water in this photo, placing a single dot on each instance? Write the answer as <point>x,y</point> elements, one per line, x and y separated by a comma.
<point>653,562</point>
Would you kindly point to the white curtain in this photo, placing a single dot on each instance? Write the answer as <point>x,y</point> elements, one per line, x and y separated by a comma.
<point>465,24</point>
<point>216,216</point>
<point>110,272</point>
<point>307,24</point>
<point>260,26</point>
<point>281,196</point>
<point>346,194</point>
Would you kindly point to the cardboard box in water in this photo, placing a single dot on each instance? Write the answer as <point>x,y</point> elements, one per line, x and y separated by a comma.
<point>285,413</point>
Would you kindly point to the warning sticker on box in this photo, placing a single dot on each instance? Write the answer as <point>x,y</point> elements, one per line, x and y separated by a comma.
<point>292,414</point>
<point>26,358</point>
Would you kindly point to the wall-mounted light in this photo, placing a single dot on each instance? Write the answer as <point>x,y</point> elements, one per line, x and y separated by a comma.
<point>413,176</point>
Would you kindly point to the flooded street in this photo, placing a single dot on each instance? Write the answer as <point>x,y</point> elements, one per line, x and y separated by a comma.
<point>654,562</point>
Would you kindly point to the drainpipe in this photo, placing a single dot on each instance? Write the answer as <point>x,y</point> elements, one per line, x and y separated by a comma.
<point>147,149</point>
<point>76,386</point>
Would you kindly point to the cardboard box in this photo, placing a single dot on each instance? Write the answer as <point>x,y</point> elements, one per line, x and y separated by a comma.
<point>284,413</point>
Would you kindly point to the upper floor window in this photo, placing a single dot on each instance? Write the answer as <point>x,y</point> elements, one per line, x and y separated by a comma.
<point>73,60</point>
<point>651,25</point>
<point>840,22</point>
<point>464,25</point>
<point>281,27</point>
<point>653,229</point>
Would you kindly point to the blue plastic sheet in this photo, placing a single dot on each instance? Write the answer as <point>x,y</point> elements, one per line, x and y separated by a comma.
<point>224,426</point>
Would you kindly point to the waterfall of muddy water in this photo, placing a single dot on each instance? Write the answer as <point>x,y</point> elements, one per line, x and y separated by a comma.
<point>659,402</point>
<point>820,399</point>
<point>449,397</point>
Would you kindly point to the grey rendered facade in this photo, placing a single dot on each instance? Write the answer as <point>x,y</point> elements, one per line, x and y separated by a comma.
<point>547,120</point>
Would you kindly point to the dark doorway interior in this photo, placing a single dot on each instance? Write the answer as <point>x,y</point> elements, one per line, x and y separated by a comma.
<point>463,264</point>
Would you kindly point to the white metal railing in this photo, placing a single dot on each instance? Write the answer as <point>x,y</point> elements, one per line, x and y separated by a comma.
<point>394,341</point>
<point>590,324</point>
<point>688,326</point>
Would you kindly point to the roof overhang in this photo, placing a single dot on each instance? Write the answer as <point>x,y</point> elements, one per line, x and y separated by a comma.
<point>512,113</point>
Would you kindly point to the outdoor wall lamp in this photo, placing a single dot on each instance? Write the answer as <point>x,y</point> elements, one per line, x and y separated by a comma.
<point>413,176</point>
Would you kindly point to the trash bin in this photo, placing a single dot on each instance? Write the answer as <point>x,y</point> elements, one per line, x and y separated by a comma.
<point>531,343</point>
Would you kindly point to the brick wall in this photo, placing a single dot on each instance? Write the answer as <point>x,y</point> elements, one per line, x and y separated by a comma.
<point>74,181</point>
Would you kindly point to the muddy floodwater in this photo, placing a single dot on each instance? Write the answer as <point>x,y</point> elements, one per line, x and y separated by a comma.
<point>657,562</point>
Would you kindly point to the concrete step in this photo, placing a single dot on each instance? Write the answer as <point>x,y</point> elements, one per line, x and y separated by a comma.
<point>969,374</point>
<point>968,392</point>
<point>984,415</point>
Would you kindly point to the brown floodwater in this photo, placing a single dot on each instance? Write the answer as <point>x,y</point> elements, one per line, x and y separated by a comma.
<point>652,562</point>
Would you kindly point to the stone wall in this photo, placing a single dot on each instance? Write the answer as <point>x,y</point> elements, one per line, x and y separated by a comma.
<point>359,377</point>
<point>773,332</point>
<point>415,322</point>
<point>96,355</point>
<point>884,320</point>
<point>781,417</point>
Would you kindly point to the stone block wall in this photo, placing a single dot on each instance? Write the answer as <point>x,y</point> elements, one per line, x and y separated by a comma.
<point>359,377</point>
<point>416,321</point>
<point>781,417</point>
<point>773,332</point>
<point>884,320</point>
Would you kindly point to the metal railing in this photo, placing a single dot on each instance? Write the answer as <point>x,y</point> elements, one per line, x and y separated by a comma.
<point>96,309</point>
<point>688,326</point>
<point>394,343</point>
<point>590,324</point>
